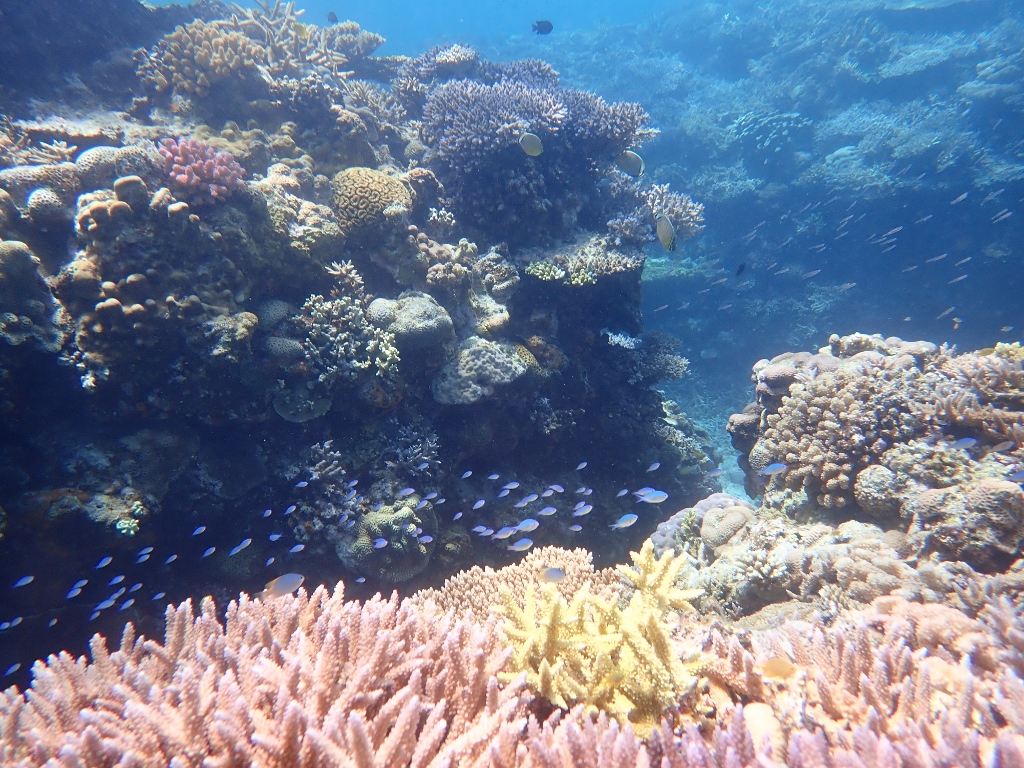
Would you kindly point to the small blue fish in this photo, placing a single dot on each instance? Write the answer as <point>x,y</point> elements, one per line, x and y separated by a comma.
<point>624,522</point>
<point>135,587</point>
<point>587,491</point>
<point>584,510</point>
<point>486,531</point>
<point>575,527</point>
<point>268,512</point>
<point>106,604</point>
<point>527,525</point>
<point>529,499</point>
<point>104,562</point>
<point>964,442</point>
<point>270,561</point>
<point>426,539</point>
<point>199,530</point>
<point>554,575</point>
<point>622,493</point>
<point>504,533</point>
<point>503,493</point>
<point>520,546</point>
<point>377,507</point>
<point>431,495</point>
<point>510,486</point>
<point>115,580</point>
<point>274,536</point>
<point>73,592</point>
<point>547,511</point>
<point>420,505</point>
<point>297,548</point>
<point>580,505</point>
<point>127,604</point>
<point>773,469</point>
<point>361,580</point>
<point>245,543</point>
<point>423,466</point>
<point>209,551</point>
<point>23,581</point>
<point>479,504</point>
<point>581,490</point>
<point>301,484</point>
<point>442,500</point>
<point>643,492</point>
<point>581,465</point>
<point>290,509</point>
<point>353,483</point>
<point>654,466</point>
<point>80,583</point>
<point>349,524</point>
<point>494,476</point>
<point>16,621</point>
<point>405,492</point>
<point>51,622</point>
<point>548,492</point>
<point>12,669</point>
<point>458,515</point>
<point>142,559</point>
<point>170,559</point>
<point>654,497</point>
<point>467,473</point>
<point>479,528</point>
<point>557,488</point>
<point>159,596</point>
<point>5,625</point>
<point>145,550</point>
<point>94,615</point>
<point>716,472</point>
<point>380,543</point>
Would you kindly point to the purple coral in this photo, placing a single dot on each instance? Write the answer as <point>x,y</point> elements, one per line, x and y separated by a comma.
<point>198,172</point>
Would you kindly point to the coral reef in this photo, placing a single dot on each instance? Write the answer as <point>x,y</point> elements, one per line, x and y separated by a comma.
<point>198,173</point>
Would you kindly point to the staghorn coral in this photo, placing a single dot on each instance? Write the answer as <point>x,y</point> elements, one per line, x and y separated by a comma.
<point>590,651</point>
<point>377,678</point>
<point>193,58</point>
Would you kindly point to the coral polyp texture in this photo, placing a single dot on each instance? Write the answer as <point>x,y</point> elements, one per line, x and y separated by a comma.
<point>198,173</point>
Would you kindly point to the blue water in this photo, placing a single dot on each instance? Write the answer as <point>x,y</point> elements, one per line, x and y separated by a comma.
<point>861,169</point>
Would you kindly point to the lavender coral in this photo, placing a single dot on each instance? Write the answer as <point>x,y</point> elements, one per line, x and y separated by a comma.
<point>198,173</point>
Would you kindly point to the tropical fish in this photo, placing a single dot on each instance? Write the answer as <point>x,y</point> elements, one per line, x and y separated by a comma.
<point>405,492</point>
<point>332,17</point>
<point>274,536</point>
<point>575,527</point>
<point>547,511</point>
<point>135,587</point>
<point>361,580</point>
<point>510,486</point>
<point>467,473</point>
<point>631,163</point>
<point>504,533</point>
<point>527,525</point>
<point>142,559</point>
<point>584,510</point>
<point>423,466</point>
<point>281,586</point>
<point>301,484</point>
<point>80,583</point>
<point>209,551</point>
<point>301,30</point>
<point>625,521</point>
<point>170,559</point>
<point>1003,446</point>
<point>479,504</point>
<point>716,472</point>
<point>421,504</point>
<point>622,493</point>
<point>557,488</point>
<point>666,232</point>
<point>115,580</point>
<point>245,543</point>
<point>158,596</point>
<point>542,27</point>
<point>104,562</point>
<point>527,500</point>
<point>145,550</point>
<point>554,575</point>
<point>503,493</point>
<point>547,493</point>
<point>479,528</point>
<point>654,497</point>
<point>380,543</point>
<point>458,515</point>
<point>426,539</point>
<point>531,144</point>
<point>521,546</point>
<point>297,548</point>
<point>431,495</point>
<point>654,466</point>
<point>493,476</point>
<point>127,604</point>
<point>581,465</point>
<point>963,442</point>
<point>73,592</point>
<point>773,469</point>
<point>23,581</point>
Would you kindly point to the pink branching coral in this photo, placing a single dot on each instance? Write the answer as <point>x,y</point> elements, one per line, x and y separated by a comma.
<point>198,172</point>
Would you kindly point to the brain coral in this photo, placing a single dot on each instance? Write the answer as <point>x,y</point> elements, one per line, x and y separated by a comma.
<point>27,309</point>
<point>362,197</point>
<point>479,366</point>
<point>415,319</point>
<point>407,549</point>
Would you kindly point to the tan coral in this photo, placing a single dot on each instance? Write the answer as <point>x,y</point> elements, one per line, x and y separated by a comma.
<point>361,198</point>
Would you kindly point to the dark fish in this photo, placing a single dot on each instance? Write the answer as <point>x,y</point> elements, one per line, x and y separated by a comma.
<point>740,268</point>
<point>543,27</point>
<point>666,232</point>
<point>332,17</point>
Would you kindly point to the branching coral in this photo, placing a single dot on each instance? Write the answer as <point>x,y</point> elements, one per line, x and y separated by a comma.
<point>198,173</point>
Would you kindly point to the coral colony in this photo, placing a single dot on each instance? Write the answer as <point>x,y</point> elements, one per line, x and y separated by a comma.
<point>335,440</point>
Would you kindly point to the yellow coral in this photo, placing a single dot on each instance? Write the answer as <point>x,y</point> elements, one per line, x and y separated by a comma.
<point>193,57</point>
<point>592,651</point>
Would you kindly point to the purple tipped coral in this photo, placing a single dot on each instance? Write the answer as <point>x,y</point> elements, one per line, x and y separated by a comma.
<point>199,173</point>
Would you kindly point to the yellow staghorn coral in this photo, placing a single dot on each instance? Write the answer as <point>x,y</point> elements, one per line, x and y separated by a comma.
<point>591,651</point>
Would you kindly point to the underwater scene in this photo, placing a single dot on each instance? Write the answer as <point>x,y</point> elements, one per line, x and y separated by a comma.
<point>496,385</point>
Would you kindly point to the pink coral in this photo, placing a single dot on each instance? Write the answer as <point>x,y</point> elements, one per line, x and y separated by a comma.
<point>198,172</point>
